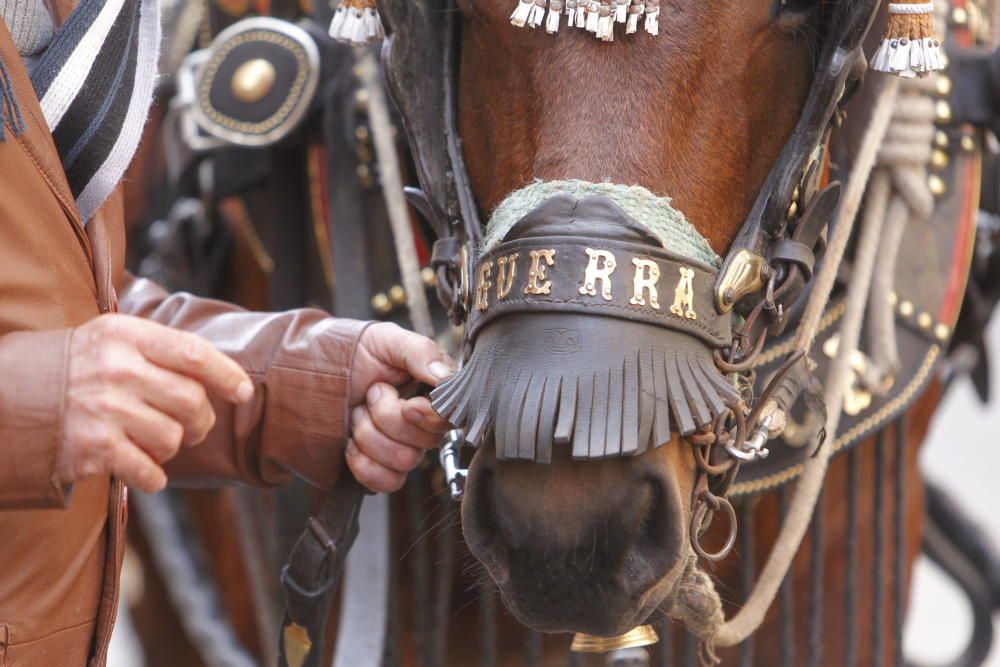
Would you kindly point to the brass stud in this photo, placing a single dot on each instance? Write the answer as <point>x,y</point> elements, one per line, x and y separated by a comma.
<point>967,143</point>
<point>364,172</point>
<point>427,275</point>
<point>959,16</point>
<point>941,332</point>
<point>941,139</point>
<point>943,85</point>
<point>942,111</point>
<point>381,304</point>
<point>397,295</point>
<point>362,132</point>
<point>924,320</point>
<point>906,308</point>
<point>365,154</point>
<point>893,298</point>
<point>796,193</point>
<point>361,99</point>
<point>253,80</point>
<point>939,159</point>
<point>792,210</point>
<point>936,185</point>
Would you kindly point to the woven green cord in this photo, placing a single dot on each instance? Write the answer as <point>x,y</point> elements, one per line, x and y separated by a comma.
<point>651,211</point>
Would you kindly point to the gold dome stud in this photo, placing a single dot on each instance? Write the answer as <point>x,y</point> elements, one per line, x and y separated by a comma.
<point>941,139</point>
<point>942,111</point>
<point>397,295</point>
<point>941,332</point>
<point>381,304</point>
<point>939,159</point>
<point>924,320</point>
<point>967,143</point>
<point>906,308</point>
<point>427,275</point>
<point>943,85</point>
<point>959,16</point>
<point>253,80</point>
<point>936,185</point>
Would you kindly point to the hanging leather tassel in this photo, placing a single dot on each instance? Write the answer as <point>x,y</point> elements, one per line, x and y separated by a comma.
<point>635,10</point>
<point>909,46</point>
<point>581,13</point>
<point>593,15</point>
<point>571,13</point>
<point>621,11</point>
<point>555,12</point>
<point>356,22</point>
<point>10,111</point>
<point>537,14</point>
<point>520,16</point>
<point>653,17</point>
<point>605,22</point>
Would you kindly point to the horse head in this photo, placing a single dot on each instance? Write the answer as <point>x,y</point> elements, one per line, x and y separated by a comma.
<point>613,174</point>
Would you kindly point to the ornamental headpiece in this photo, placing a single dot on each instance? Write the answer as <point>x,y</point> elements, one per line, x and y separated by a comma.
<point>909,46</point>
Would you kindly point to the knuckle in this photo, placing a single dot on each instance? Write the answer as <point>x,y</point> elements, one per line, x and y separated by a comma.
<point>193,396</point>
<point>194,351</point>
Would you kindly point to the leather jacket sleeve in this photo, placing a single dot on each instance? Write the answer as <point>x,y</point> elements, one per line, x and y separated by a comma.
<point>33,371</point>
<point>300,362</point>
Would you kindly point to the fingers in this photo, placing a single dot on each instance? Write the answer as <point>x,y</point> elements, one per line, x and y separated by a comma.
<point>154,432</point>
<point>379,447</point>
<point>412,421</point>
<point>195,357</point>
<point>136,469</point>
<point>179,397</point>
<point>371,474</point>
<point>406,350</point>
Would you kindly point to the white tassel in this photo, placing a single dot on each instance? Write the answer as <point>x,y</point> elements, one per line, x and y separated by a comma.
<point>520,15</point>
<point>634,12</point>
<point>908,48</point>
<point>621,11</point>
<point>581,14</point>
<point>605,25</point>
<point>571,13</point>
<point>593,9</point>
<point>653,21</point>
<point>356,26</point>
<point>537,14</point>
<point>337,24</point>
<point>555,12</point>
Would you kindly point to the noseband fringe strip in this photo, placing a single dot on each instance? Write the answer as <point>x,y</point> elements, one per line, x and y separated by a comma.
<point>595,16</point>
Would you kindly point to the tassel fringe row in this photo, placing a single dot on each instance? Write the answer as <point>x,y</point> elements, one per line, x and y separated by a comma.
<point>356,22</point>
<point>595,16</point>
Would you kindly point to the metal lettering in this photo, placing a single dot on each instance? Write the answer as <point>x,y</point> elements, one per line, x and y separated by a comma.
<point>483,286</point>
<point>647,272</point>
<point>506,269</point>
<point>536,274</point>
<point>683,305</point>
<point>595,271</point>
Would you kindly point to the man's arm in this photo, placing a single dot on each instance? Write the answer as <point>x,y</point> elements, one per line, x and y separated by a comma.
<point>307,381</point>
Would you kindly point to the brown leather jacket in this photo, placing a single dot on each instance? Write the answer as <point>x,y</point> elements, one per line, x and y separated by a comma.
<point>60,549</point>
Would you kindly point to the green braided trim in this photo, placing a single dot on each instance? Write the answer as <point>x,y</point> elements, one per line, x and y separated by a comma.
<point>652,212</point>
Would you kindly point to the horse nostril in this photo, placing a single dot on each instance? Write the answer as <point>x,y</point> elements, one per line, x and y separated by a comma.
<point>480,524</point>
<point>655,548</point>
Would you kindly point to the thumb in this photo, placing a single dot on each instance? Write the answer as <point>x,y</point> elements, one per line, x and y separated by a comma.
<point>408,351</point>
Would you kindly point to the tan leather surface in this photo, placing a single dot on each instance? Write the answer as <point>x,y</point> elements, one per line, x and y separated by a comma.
<point>299,361</point>
<point>58,585</point>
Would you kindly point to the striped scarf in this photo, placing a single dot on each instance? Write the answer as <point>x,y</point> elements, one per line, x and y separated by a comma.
<point>95,84</point>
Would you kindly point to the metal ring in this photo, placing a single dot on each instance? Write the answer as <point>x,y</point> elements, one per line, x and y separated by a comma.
<point>702,460</point>
<point>698,517</point>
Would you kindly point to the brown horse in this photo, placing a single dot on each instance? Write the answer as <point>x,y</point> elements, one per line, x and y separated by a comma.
<point>699,114</point>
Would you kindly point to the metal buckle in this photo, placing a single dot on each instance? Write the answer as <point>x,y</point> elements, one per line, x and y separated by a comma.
<point>454,475</point>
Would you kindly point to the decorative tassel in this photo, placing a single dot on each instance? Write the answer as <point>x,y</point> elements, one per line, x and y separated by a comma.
<point>555,12</point>
<point>593,12</point>
<point>621,10</point>
<point>356,22</point>
<point>635,10</point>
<point>537,14</point>
<point>581,14</point>
<point>520,15</point>
<point>653,17</point>
<point>10,111</point>
<point>605,23</point>
<point>571,13</point>
<point>909,47</point>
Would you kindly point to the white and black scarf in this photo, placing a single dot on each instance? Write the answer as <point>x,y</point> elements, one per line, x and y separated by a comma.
<point>95,83</point>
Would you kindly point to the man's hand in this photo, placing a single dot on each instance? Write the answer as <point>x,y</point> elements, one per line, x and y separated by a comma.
<point>390,434</point>
<point>136,392</point>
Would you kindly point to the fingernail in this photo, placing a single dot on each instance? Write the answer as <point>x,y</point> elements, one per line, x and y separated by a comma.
<point>352,449</point>
<point>244,392</point>
<point>373,393</point>
<point>414,415</point>
<point>356,415</point>
<point>439,370</point>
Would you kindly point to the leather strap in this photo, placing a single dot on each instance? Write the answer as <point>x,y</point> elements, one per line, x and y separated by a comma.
<point>563,274</point>
<point>312,572</point>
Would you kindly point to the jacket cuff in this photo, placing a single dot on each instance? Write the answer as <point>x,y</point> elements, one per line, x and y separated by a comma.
<point>33,370</point>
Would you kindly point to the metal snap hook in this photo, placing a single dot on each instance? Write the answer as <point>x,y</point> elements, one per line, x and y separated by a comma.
<point>454,475</point>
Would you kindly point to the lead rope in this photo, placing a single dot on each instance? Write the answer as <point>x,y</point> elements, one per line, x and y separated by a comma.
<point>749,618</point>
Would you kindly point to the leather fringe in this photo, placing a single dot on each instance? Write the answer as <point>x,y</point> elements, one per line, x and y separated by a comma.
<point>633,399</point>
